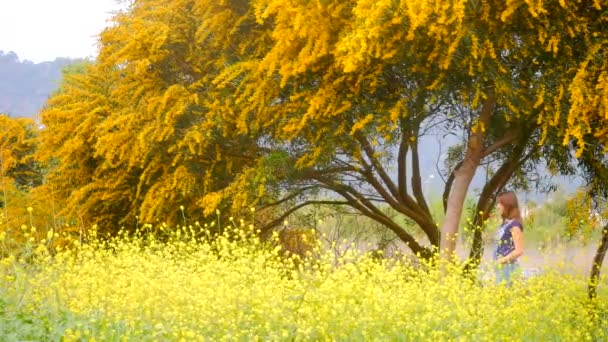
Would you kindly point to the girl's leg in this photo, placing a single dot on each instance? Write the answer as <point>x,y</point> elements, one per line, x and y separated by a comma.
<point>504,273</point>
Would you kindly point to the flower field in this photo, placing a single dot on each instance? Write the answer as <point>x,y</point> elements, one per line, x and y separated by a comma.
<point>236,287</point>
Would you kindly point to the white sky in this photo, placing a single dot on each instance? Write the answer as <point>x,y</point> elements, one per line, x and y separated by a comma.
<point>41,30</point>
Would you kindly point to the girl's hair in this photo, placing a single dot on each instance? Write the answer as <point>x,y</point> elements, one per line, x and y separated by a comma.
<point>510,205</point>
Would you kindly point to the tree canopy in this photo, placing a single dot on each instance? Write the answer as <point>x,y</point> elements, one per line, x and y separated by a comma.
<point>230,104</point>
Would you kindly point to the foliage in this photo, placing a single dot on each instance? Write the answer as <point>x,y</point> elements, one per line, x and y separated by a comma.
<point>277,103</point>
<point>238,287</point>
<point>586,215</point>
<point>17,146</point>
<point>131,138</point>
<point>19,171</point>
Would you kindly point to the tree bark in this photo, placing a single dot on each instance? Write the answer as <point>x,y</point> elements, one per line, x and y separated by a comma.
<point>596,267</point>
<point>417,180</point>
<point>449,229</point>
<point>462,179</point>
<point>448,186</point>
<point>402,162</point>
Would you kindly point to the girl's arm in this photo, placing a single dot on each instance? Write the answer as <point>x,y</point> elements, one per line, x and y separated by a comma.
<point>518,242</point>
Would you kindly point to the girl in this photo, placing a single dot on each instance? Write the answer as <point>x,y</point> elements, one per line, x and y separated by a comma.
<point>509,237</point>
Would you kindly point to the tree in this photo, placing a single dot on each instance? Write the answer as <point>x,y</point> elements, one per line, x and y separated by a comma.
<point>130,138</point>
<point>17,167</point>
<point>346,84</point>
<point>281,103</point>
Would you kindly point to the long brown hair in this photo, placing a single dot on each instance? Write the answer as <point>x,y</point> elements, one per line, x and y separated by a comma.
<point>510,206</point>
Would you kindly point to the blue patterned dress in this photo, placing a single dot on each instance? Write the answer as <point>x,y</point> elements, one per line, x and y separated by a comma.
<point>504,246</point>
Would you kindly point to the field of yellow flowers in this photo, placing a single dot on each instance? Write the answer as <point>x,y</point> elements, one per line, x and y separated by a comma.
<point>188,286</point>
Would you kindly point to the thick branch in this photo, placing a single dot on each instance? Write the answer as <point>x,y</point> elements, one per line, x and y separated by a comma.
<point>409,208</point>
<point>402,162</point>
<point>417,180</point>
<point>462,179</point>
<point>506,139</point>
<point>448,185</point>
<point>407,205</point>
<point>403,235</point>
<point>369,152</point>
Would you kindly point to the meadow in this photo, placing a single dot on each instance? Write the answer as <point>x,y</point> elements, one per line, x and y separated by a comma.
<point>212,106</point>
<point>184,284</point>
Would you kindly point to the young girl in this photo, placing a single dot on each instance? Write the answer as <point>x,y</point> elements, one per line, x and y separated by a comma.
<point>509,237</point>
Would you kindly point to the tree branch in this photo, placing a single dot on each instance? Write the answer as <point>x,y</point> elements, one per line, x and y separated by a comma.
<point>407,205</point>
<point>287,198</point>
<point>448,185</point>
<point>369,152</point>
<point>506,139</point>
<point>437,169</point>
<point>402,161</point>
<point>291,210</point>
<point>417,180</point>
<point>428,227</point>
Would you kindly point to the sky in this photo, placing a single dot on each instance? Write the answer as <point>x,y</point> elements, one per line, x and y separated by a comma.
<point>42,30</point>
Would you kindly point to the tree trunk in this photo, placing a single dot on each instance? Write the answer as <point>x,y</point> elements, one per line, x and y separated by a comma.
<point>596,267</point>
<point>462,179</point>
<point>458,193</point>
<point>484,204</point>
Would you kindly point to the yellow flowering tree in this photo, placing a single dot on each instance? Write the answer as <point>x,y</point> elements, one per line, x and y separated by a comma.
<point>18,170</point>
<point>285,103</point>
<point>131,137</point>
<point>350,86</point>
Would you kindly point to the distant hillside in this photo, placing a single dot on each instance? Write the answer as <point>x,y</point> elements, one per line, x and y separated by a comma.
<point>25,86</point>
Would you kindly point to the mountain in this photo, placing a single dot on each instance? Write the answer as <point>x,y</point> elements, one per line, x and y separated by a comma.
<point>25,86</point>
